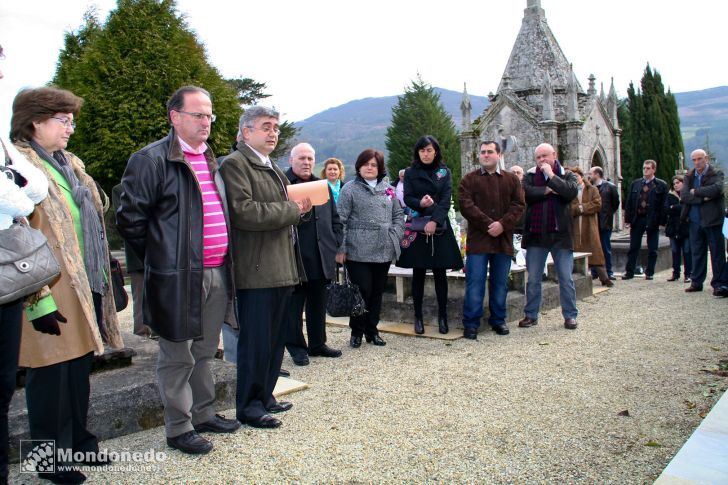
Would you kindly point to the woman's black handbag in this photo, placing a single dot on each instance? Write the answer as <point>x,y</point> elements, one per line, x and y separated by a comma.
<point>121,299</point>
<point>344,299</point>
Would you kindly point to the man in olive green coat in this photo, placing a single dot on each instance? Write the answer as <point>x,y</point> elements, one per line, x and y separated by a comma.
<point>267,265</point>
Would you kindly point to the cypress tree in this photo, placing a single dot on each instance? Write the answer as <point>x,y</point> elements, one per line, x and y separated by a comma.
<point>419,112</point>
<point>650,129</point>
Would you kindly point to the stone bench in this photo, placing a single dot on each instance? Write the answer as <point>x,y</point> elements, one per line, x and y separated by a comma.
<point>456,279</point>
<point>397,300</point>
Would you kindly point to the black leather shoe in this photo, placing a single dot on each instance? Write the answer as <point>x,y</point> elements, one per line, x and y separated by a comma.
<point>284,373</point>
<point>692,289</point>
<point>419,326</point>
<point>528,322</point>
<point>190,442</point>
<point>355,341</point>
<point>442,325</point>
<point>674,277</point>
<point>501,329</point>
<point>300,359</point>
<point>721,292</point>
<point>627,276</point>
<point>570,323</point>
<point>280,407</point>
<point>649,277</point>
<point>375,340</point>
<point>68,477</point>
<point>218,424</point>
<point>612,277</point>
<point>471,333</point>
<point>325,351</point>
<point>265,421</point>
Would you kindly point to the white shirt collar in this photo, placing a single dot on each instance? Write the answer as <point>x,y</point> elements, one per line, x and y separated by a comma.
<point>262,157</point>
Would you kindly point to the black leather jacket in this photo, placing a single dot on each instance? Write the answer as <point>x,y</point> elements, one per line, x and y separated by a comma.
<point>160,217</point>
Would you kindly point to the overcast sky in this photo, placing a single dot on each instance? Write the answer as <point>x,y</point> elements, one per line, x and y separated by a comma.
<point>317,54</point>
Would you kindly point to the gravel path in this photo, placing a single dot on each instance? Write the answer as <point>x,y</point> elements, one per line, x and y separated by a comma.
<point>542,405</point>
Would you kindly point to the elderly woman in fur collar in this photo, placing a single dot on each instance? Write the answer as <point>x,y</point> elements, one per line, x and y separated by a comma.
<point>63,327</point>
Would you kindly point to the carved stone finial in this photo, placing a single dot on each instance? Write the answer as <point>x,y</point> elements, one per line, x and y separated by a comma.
<point>592,89</point>
<point>466,108</point>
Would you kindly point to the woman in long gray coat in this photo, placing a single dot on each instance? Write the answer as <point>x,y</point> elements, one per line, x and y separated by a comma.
<point>373,227</point>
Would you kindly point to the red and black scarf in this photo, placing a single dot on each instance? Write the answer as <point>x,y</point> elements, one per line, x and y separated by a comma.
<point>544,213</point>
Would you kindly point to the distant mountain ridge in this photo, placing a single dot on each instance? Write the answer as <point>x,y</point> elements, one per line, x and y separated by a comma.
<point>345,130</point>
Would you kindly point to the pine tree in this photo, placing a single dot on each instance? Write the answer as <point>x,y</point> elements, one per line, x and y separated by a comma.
<point>419,112</point>
<point>126,70</point>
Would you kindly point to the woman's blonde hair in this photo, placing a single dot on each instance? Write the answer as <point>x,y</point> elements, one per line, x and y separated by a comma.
<point>336,162</point>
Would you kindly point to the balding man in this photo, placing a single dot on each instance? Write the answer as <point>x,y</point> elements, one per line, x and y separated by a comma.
<point>703,206</point>
<point>319,235</point>
<point>549,189</point>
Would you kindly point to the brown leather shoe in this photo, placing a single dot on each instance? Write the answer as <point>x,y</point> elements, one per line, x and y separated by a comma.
<point>691,289</point>
<point>570,323</point>
<point>528,322</point>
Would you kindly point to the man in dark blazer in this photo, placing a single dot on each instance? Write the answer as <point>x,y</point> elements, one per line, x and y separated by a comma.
<point>643,213</point>
<point>319,234</point>
<point>703,206</point>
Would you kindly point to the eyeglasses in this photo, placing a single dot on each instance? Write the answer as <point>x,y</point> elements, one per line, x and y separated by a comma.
<point>65,122</point>
<point>199,116</point>
<point>266,129</point>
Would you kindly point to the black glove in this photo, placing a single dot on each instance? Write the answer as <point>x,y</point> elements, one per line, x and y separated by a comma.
<point>49,323</point>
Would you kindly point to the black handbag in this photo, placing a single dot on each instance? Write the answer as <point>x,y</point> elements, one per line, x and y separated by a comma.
<point>344,299</point>
<point>121,298</point>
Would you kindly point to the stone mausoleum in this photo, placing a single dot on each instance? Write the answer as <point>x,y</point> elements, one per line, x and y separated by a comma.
<point>540,100</point>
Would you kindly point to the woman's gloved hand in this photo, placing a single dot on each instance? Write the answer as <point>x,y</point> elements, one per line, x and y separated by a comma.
<point>49,323</point>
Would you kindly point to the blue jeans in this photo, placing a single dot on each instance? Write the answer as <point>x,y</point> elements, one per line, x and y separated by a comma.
<point>681,253</point>
<point>636,230</point>
<point>605,237</point>
<point>477,271</point>
<point>702,239</point>
<point>564,265</point>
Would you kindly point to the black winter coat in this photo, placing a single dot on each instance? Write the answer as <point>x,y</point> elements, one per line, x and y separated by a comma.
<point>440,250</point>
<point>674,227</point>
<point>160,217</point>
<point>709,196</point>
<point>610,205</point>
<point>564,191</point>
<point>655,201</point>
<point>319,235</point>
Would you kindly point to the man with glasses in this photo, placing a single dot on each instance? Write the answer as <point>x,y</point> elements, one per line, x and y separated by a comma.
<point>267,262</point>
<point>644,214</point>
<point>172,213</point>
<point>703,206</point>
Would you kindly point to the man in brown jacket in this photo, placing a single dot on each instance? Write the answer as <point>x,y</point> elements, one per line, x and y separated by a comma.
<point>492,201</point>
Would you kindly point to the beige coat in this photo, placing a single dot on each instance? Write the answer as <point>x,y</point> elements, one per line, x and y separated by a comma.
<point>586,224</point>
<point>71,292</point>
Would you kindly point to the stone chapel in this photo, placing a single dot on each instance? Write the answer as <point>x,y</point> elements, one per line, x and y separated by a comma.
<point>540,100</point>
